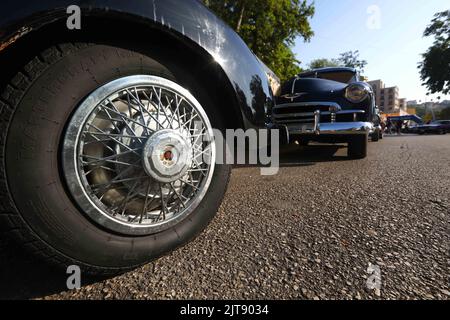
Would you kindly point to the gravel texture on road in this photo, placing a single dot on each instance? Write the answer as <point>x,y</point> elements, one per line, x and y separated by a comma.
<point>309,232</point>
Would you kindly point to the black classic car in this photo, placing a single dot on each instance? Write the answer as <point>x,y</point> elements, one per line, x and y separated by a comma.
<point>99,148</point>
<point>434,127</point>
<point>329,105</point>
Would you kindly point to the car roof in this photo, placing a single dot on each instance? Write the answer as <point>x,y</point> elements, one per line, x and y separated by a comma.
<point>327,70</point>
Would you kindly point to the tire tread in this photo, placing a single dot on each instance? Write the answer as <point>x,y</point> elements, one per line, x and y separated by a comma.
<point>12,225</point>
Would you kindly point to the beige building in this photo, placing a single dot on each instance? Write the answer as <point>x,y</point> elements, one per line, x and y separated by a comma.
<point>403,104</point>
<point>388,98</point>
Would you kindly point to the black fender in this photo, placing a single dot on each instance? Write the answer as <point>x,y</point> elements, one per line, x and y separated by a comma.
<point>188,21</point>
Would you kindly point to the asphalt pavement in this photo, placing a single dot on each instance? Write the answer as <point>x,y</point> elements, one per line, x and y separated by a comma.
<point>310,232</point>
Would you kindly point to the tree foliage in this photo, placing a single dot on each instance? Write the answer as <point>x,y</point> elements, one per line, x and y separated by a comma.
<point>269,27</point>
<point>351,59</point>
<point>323,63</point>
<point>445,114</point>
<point>348,59</point>
<point>435,67</point>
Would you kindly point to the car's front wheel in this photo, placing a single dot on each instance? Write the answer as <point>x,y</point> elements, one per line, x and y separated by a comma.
<point>376,135</point>
<point>109,161</point>
<point>357,146</point>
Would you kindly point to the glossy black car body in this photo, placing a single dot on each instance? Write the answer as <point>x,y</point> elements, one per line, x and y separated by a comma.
<point>84,112</point>
<point>195,34</point>
<point>313,105</point>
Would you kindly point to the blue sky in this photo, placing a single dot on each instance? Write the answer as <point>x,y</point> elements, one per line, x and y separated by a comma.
<point>392,47</point>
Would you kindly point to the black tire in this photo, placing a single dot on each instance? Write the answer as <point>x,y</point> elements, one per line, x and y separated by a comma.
<point>357,147</point>
<point>303,142</point>
<point>36,209</point>
<point>376,136</point>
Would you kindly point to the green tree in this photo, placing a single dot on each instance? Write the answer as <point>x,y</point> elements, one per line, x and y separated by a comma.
<point>435,67</point>
<point>323,63</point>
<point>270,28</point>
<point>351,59</point>
<point>348,59</point>
<point>445,114</point>
<point>427,117</point>
<point>421,111</point>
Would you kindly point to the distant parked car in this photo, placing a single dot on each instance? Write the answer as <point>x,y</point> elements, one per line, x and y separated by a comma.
<point>435,127</point>
<point>404,122</point>
<point>329,105</point>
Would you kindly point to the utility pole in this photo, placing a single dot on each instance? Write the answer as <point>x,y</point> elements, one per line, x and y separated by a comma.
<point>432,110</point>
<point>431,107</point>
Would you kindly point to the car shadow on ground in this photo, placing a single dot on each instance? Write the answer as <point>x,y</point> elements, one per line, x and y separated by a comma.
<point>24,277</point>
<point>295,155</point>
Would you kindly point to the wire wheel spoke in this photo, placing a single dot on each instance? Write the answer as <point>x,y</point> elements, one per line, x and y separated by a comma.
<point>140,154</point>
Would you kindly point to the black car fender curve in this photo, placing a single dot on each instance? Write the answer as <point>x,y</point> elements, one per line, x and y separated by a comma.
<point>189,20</point>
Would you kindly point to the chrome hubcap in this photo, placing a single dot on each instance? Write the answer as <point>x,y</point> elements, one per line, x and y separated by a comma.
<point>167,156</point>
<point>138,155</point>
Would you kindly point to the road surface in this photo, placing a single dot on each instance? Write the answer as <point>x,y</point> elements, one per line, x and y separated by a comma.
<point>308,233</point>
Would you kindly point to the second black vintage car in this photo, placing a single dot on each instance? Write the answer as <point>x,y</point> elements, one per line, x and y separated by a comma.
<point>329,105</point>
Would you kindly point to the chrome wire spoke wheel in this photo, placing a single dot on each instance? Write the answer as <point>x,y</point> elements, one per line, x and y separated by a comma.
<point>138,155</point>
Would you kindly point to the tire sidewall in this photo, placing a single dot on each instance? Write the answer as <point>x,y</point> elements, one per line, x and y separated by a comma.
<point>34,168</point>
<point>358,146</point>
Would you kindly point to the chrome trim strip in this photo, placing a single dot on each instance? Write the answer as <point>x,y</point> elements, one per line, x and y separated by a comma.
<point>309,104</point>
<point>293,115</point>
<point>333,117</point>
<point>304,120</point>
<point>311,114</point>
<point>293,85</point>
<point>317,122</point>
<point>351,111</point>
<point>338,128</point>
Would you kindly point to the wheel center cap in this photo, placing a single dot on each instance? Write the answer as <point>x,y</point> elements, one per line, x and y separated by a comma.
<point>167,156</point>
